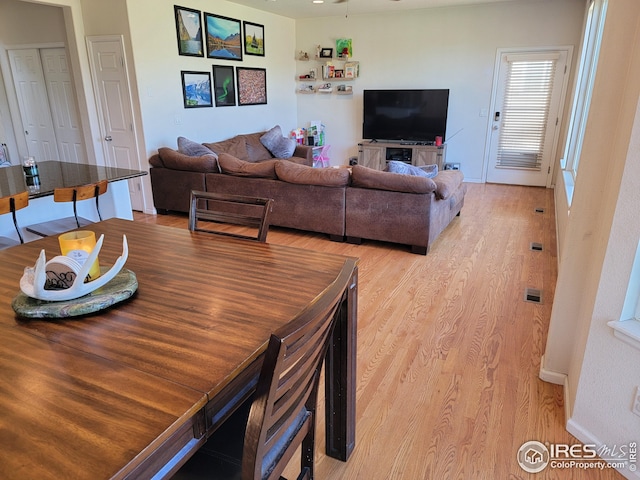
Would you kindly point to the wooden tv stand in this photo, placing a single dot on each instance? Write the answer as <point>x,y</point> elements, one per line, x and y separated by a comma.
<point>377,154</point>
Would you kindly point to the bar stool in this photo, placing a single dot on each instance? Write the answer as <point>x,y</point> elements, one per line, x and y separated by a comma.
<point>74,195</point>
<point>11,204</point>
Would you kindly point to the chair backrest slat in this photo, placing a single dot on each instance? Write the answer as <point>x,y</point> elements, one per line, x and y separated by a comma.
<point>283,411</point>
<point>209,210</point>
<point>82,192</point>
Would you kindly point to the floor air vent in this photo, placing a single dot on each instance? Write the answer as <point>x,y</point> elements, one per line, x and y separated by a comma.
<point>536,246</point>
<point>539,210</point>
<point>533,295</point>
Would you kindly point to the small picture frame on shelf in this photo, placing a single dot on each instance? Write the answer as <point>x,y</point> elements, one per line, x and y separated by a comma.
<point>339,73</point>
<point>326,53</point>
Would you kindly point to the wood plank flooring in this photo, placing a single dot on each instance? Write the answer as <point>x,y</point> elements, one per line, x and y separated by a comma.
<point>448,349</point>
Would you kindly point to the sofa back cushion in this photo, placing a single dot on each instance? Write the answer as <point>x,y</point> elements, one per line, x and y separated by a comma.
<point>234,166</point>
<point>303,174</point>
<point>175,160</point>
<point>365,177</point>
<point>235,146</point>
<point>256,151</point>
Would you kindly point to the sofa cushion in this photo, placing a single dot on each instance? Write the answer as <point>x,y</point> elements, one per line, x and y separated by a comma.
<point>179,161</point>
<point>277,144</point>
<point>447,182</point>
<point>235,146</point>
<point>234,166</point>
<point>256,151</point>
<point>395,166</point>
<point>365,177</point>
<point>303,174</point>
<point>191,148</point>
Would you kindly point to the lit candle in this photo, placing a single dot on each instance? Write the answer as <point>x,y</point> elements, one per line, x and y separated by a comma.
<point>78,245</point>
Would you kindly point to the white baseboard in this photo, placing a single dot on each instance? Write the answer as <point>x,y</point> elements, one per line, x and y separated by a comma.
<point>586,437</point>
<point>551,376</point>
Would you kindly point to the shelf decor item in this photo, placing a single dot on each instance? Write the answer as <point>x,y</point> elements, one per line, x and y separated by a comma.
<point>196,89</point>
<point>224,87</point>
<point>224,39</point>
<point>253,39</point>
<point>351,69</point>
<point>344,48</point>
<point>326,53</point>
<point>252,85</point>
<point>189,31</point>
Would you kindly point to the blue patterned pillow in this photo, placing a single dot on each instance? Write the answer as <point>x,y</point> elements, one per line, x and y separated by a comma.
<point>428,171</point>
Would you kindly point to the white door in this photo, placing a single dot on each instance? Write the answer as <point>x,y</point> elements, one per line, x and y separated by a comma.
<point>28,78</point>
<point>64,108</point>
<point>526,110</point>
<point>111,84</point>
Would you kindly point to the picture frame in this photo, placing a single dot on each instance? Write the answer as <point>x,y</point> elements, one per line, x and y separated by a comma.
<point>326,53</point>
<point>344,48</point>
<point>223,37</point>
<point>252,85</point>
<point>196,89</point>
<point>253,39</point>
<point>224,87</point>
<point>188,31</point>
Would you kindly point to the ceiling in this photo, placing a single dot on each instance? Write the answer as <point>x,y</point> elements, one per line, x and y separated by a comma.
<point>307,9</point>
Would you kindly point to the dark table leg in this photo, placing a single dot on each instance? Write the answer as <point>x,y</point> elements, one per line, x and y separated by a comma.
<point>340,377</point>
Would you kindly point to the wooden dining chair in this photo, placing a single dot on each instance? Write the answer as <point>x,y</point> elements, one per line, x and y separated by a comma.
<point>281,416</point>
<point>210,212</point>
<point>73,195</point>
<point>11,204</point>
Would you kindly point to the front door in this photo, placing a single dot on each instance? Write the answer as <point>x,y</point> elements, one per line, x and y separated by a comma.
<point>111,84</point>
<point>525,122</point>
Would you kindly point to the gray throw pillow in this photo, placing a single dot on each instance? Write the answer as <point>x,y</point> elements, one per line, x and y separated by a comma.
<point>428,171</point>
<point>191,148</point>
<point>279,146</point>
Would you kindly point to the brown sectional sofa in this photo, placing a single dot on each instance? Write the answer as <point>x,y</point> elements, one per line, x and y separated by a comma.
<point>353,203</point>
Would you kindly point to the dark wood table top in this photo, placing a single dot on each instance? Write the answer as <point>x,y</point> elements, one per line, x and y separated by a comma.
<point>88,397</point>
<point>53,174</point>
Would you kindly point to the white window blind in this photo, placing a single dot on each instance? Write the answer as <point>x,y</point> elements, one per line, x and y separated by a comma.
<point>525,112</point>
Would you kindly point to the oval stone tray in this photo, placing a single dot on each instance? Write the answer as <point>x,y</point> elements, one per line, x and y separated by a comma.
<point>120,288</point>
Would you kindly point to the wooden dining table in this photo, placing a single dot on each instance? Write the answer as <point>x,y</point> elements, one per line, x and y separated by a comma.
<point>132,391</point>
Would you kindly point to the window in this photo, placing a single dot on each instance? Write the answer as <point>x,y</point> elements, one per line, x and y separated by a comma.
<point>594,26</point>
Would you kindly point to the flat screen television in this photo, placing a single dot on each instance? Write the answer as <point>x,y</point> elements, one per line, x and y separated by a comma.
<point>405,115</point>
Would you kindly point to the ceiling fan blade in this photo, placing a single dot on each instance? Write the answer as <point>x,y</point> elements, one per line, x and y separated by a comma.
<point>341,1</point>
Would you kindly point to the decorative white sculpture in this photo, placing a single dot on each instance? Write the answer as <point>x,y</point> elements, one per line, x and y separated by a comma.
<point>34,278</point>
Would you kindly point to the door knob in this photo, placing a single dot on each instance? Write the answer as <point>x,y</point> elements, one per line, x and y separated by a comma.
<point>108,138</point>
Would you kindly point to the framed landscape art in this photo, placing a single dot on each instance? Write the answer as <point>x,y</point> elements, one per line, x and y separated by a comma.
<point>253,39</point>
<point>196,89</point>
<point>252,86</point>
<point>224,87</point>
<point>223,37</point>
<point>189,31</point>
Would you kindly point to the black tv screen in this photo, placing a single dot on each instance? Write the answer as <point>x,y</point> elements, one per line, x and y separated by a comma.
<point>405,115</point>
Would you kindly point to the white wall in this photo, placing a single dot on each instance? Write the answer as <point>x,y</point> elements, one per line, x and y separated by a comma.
<point>601,239</point>
<point>158,67</point>
<point>453,47</point>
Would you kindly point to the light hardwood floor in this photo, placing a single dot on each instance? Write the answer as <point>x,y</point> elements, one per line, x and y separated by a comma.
<point>448,350</point>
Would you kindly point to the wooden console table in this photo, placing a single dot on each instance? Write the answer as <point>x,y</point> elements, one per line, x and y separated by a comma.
<point>133,391</point>
<point>377,154</point>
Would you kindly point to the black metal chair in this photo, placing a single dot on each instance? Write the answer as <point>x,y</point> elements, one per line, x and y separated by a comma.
<point>210,211</point>
<point>281,416</point>
<point>74,195</point>
<point>11,204</point>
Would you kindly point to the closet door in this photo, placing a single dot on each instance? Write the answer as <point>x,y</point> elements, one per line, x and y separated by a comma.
<point>33,102</point>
